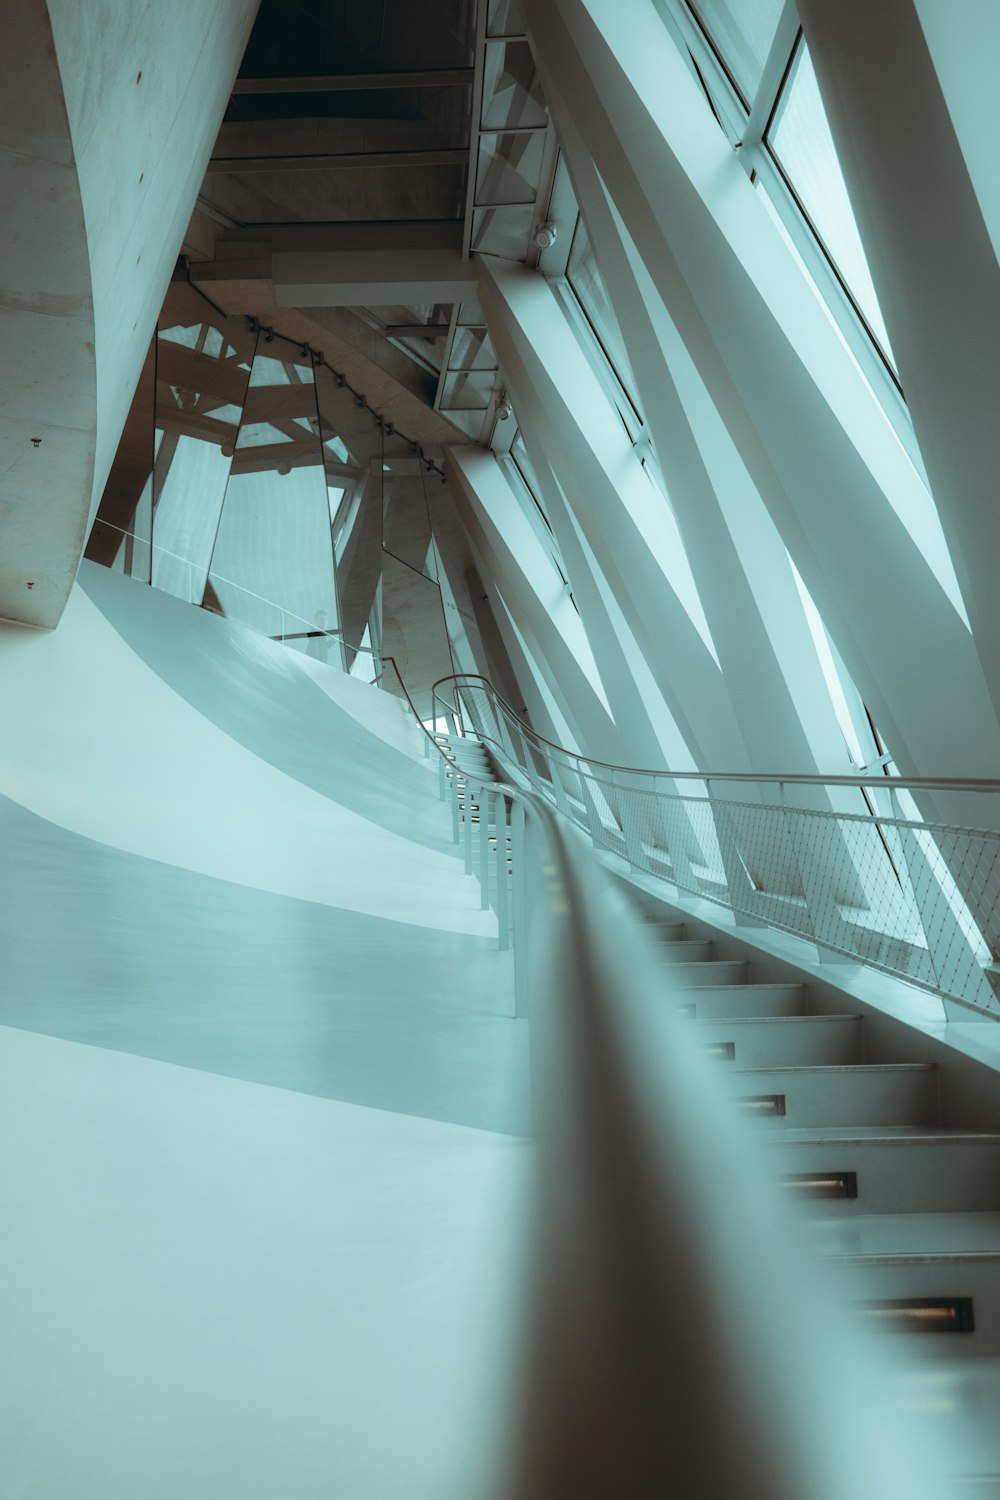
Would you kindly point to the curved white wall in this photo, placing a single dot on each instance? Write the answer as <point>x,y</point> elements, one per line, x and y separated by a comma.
<point>108,116</point>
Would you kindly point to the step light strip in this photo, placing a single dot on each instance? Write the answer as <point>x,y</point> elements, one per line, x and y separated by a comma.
<point>922,1314</point>
<point>762,1104</point>
<point>822,1184</point>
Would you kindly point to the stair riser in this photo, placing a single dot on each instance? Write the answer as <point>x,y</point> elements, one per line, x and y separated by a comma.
<point>665,932</point>
<point>812,1100</point>
<point>807,1042</point>
<point>941,1177</point>
<point>938,1278</point>
<point>747,1000</point>
<point>686,976</point>
<point>685,950</point>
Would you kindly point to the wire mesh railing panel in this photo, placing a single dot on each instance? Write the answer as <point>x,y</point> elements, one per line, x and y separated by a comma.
<point>915,899</point>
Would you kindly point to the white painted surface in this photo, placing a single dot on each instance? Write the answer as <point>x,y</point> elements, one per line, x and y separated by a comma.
<point>46,329</point>
<point>108,112</point>
<point>211,1288</point>
<point>380,713</point>
<point>146,86</point>
<point>93,740</point>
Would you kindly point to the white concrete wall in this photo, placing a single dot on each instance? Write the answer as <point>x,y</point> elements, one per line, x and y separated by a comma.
<point>47,369</point>
<point>108,114</point>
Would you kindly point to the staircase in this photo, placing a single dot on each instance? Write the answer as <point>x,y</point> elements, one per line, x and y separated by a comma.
<point>906,1204</point>
<point>911,1204</point>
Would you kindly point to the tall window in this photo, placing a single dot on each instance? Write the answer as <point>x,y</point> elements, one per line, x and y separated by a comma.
<point>753,62</point>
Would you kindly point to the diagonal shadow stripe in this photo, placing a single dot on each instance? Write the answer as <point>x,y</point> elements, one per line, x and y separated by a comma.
<point>250,690</point>
<point>120,951</point>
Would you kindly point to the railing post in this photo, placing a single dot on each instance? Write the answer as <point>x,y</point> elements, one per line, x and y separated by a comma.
<point>956,969</point>
<point>485,798</point>
<point>740,888</point>
<point>829,930</point>
<point>442,776</point>
<point>633,843</point>
<point>468,826</point>
<point>595,826</point>
<point>520,903</point>
<point>676,829</point>
<point>503,893</point>
<point>558,790</point>
<point>456,826</point>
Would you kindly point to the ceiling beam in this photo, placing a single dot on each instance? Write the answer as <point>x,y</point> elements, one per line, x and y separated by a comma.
<point>416,330</point>
<point>335,83</point>
<point>371,278</point>
<point>453,156</point>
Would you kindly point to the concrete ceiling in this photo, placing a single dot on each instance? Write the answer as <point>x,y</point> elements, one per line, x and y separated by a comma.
<point>350,119</point>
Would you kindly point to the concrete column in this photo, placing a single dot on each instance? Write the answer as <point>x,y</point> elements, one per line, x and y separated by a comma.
<point>814,440</point>
<point>625,522</point>
<point>741,567</point>
<point>934,267</point>
<point>511,555</point>
<point>108,113</point>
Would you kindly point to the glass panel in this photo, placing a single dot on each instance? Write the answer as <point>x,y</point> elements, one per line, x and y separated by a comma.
<point>406,521</point>
<point>586,281</point>
<point>411,314</point>
<point>743,31</point>
<point>272,567</point>
<point>414,632</point>
<point>203,366</point>
<point>468,390</point>
<point>801,141</point>
<point>470,312</point>
<point>519,453</point>
<point>505,18</point>
<point>472,350</point>
<point>352,459</point>
<point>512,93</point>
<point>508,168</point>
<point>470,422</point>
<point>502,231</point>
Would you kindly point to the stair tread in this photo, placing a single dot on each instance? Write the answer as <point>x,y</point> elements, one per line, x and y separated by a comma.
<point>777,1020</point>
<point>910,1235</point>
<point>841,1135</point>
<point>866,1068</point>
<point>887,1135</point>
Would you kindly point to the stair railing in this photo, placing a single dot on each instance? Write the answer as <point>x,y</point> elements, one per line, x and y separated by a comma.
<point>640,1323</point>
<point>845,862</point>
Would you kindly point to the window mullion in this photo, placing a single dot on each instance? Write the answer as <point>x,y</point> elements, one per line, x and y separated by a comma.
<point>779,60</point>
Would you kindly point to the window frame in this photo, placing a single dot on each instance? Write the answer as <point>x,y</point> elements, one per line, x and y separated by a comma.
<point>746,125</point>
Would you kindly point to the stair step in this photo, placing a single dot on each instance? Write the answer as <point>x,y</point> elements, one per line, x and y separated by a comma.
<point>909,1237</point>
<point>786,1041</point>
<point>927,1277</point>
<point>721,1001</point>
<point>691,976</point>
<point>861,1094</point>
<point>901,1172</point>
<point>686,950</point>
<point>664,930</point>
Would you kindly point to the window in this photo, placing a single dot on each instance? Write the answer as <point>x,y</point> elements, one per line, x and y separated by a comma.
<point>742,32</point>
<point>800,141</point>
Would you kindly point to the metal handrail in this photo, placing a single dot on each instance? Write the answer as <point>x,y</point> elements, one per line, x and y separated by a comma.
<point>789,778</point>
<point>883,887</point>
<point>336,636</point>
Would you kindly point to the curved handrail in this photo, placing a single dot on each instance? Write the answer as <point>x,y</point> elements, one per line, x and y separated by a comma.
<point>790,778</point>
